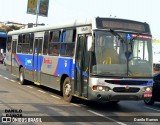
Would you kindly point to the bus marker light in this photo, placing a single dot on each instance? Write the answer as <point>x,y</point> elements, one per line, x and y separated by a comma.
<point>94,87</point>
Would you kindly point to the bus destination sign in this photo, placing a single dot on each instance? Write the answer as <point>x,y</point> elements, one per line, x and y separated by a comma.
<point>121,24</point>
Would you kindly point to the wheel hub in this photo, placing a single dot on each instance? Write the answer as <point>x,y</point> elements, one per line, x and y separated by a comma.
<point>67,89</point>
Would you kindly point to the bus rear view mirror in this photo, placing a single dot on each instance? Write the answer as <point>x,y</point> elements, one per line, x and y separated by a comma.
<point>89,43</point>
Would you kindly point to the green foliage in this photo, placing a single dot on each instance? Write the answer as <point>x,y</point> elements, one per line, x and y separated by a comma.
<point>13,27</point>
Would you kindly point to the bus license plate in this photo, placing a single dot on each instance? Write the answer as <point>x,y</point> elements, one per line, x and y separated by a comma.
<point>146,95</point>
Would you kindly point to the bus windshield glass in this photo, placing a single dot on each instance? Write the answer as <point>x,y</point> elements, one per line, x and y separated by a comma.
<point>114,55</point>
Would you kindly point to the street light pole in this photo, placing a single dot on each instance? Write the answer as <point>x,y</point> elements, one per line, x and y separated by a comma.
<point>37,11</point>
<point>36,19</point>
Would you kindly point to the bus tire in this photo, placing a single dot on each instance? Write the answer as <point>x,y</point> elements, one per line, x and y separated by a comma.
<point>67,90</point>
<point>21,76</point>
<point>149,101</point>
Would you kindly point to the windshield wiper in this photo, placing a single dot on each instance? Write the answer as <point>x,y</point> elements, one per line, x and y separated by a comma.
<point>115,33</point>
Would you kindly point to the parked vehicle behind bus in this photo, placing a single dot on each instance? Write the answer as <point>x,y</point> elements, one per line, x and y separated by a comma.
<point>156,90</point>
<point>104,59</point>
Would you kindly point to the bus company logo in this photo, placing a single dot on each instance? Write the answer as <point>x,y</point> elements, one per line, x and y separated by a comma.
<point>126,87</point>
<point>28,62</point>
<point>47,61</point>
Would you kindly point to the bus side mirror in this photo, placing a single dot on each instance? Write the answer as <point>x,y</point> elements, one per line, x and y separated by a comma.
<point>89,43</point>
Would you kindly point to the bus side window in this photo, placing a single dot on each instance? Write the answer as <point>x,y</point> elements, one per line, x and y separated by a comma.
<point>45,45</point>
<point>19,47</point>
<point>24,43</point>
<point>54,43</point>
<point>68,42</point>
<point>31,43</point>
<point>63,41</point>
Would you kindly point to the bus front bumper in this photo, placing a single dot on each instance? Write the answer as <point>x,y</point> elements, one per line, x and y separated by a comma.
<point>117,96</point>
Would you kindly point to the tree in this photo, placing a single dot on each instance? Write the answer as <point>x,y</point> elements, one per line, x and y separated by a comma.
<point>9,28</point>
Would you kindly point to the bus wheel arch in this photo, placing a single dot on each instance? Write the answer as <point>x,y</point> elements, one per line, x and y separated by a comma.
<point>66,88</point>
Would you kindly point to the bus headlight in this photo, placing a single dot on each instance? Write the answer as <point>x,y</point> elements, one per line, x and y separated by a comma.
<point>148,89</point>
<point>101,88</point>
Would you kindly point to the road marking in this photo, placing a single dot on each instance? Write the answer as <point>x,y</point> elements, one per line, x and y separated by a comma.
<point>55,97</point>
<point>5,77</point>
<point>19,83</point>
<point>29,87</point>
<point>41,91</point>
<point>152,108</point>
<point>12,81</point>
<point>96,113</point>
<point>75,104</point>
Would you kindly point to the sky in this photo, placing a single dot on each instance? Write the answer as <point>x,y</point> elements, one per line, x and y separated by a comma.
<point>62,11</point>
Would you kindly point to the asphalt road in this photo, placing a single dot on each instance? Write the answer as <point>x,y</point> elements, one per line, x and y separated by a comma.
<point>48,105</point>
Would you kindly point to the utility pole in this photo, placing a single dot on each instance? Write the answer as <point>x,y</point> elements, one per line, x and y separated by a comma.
<point>37,12</point>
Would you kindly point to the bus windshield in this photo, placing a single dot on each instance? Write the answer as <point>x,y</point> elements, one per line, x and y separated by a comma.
<point>117,56</point>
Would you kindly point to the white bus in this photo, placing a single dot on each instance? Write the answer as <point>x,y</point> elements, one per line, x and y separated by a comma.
<point>102,59</point>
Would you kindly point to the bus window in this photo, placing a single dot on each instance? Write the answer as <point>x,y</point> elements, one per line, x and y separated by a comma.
<point>19,47</point>
<point>23,43</point>
<point>26,44</point>
<point>45,45</point>
<point>68,43</point>
<point>31,43</point>
<point>54,44</point>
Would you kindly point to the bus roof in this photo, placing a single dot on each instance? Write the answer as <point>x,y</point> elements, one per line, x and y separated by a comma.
<point>99,22</point>
<point>55,26</point>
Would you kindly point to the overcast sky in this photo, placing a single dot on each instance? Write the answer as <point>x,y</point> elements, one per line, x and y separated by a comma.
<point>69,10</point>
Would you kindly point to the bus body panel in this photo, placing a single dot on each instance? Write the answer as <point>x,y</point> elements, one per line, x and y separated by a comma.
<point>50,68</point>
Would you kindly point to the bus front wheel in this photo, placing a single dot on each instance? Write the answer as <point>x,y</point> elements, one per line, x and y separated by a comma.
<point>21,76</point>
<point>67,90</point>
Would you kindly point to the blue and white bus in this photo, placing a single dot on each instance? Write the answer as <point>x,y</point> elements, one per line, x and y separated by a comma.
<point>101,59</point>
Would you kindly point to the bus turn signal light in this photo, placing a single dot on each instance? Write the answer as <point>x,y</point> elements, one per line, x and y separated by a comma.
<point>94,87</point>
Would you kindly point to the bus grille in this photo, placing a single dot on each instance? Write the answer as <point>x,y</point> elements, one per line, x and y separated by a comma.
<point>128,82</point>
<point>123,89</point>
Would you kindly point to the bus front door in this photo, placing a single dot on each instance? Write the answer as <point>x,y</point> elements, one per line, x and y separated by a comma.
<point>37,59</point>
<point>81,67</point>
